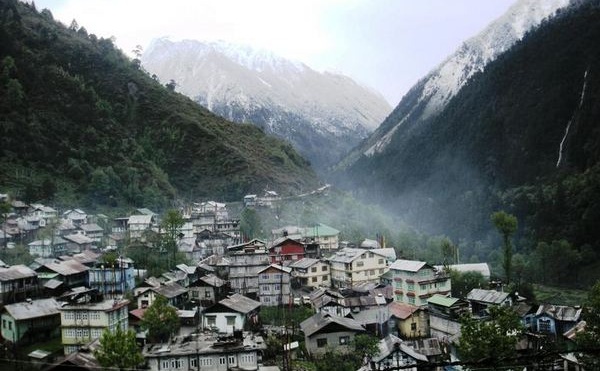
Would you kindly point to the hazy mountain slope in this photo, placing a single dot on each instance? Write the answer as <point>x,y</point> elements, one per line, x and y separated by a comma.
<point>322,114</point>
<point>521,135</point>
<point>431,94</point>
<point>81,121</point>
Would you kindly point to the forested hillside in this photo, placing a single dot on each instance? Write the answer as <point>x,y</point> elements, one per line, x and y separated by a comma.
<point>521,136</point>
<point>82,124</point>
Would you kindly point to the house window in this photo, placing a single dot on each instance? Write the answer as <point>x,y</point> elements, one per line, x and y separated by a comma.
<point>325,278</point>
<point>264,276</point>
<point>380,261</point>
<point>314,279</point>
<point>165,363</point>
<point>277,287</point>
<point>413,326</point>
<point>544,325</point>
<point>222,360</point>
<point>207,294</point>
<point>372,272</point>
<point>380,270</point>
<point>423,287</point>
<point>230,320</point>
<point>211,320</point>
<point>313,269</point>
<point>411,300</point>
<point>411,286</point>
<point>360,264</point>
<point>193,362</point>
<point>10,325</point>
<point>4,323</point>
<point>324,268</point>
<point>266,288</point>
<point>344,340</point>
<point>231,360</point>
<point>321,343</point>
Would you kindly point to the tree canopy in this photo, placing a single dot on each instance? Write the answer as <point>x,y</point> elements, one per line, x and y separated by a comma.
<point>161,320</point>
<point>119,349</point>
<point>490,341</point>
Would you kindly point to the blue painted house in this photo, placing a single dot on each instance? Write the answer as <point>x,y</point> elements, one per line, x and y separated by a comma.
<point>555,319</point>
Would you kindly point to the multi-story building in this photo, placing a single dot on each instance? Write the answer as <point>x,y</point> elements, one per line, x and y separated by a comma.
<point>138,224</point>
<point>18,283</point>
<point>30,320</point>
<point>285,249</point>
<point>116,279</point>
<point>354,266</point>
<point>311,272</point>
<point>325,236</point>
<point>48,248</point>
<point>444,316</point>
<point>415,281</point>
<point>244,266</point>
<point>206,352</point>
<point>82,323</point>
<point>274,285</point>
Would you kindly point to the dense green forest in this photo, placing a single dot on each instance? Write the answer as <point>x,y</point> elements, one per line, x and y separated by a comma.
<point>496,146</point>
<point>82,124</point>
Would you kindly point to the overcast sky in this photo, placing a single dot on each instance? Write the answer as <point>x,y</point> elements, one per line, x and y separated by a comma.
<point>385,44</point>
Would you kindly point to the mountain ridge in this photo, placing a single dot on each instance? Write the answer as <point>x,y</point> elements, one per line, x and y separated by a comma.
<point>312,110</point>
<point>86,125</point>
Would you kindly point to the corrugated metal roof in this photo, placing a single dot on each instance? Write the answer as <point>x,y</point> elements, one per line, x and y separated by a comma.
<point>140,219</point>
<point>320,320</point>
<point>388,345</point>
<point>33,309</point>
<point>444,301</point>
<point>407,265</point>
<point>278,267</point>
<point>170,290</point>
<point>346,255</point>
<point>16,272</point>
<point>240,303</point>
<point>560,312</point>
<point>66,268</point>
<point>303,263</point>
<point>487,296</point>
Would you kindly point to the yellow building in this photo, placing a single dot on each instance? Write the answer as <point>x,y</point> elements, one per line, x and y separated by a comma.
<point>82,323</point>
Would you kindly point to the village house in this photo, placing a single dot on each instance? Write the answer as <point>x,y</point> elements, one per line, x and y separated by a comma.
<point>310,272</point>
<point>408,321</point>
<point>285,250</point>
<point>555,320</point>
<point>242,351</point>
<point>393,352</point>
<point>17,283</point>
<point>48,248</point>
<point>480,300</point>
<point>415,281</point>
<point>84,319</point>
<point>233,313</point>
<point>244,266</point>
<point>57,276</point>
<point>30,321</point>
<point>325,236</point>
<point>76,216</point>
<point>78,242</point>
<point>329,301</point>
<point>350,267</point>
<point>444,316</point>
<point>274,285</point>
<point>375,320</point>
<point>207,290</point>
<point>93,231</point>
<point>116,279</point>
<point>138,224</point>
<point>175,294</point>
<point>45,213</point>
<point>324,331</point>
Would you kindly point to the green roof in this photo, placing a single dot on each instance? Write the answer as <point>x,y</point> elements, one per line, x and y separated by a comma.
<point>444,301</point>
<point>320,229</point>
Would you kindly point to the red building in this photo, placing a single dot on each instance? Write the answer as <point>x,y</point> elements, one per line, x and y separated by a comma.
<point>285,249</point>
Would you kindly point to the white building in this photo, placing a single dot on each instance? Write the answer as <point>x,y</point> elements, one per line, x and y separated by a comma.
<point>230,314</point>
<point>206,352</point>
